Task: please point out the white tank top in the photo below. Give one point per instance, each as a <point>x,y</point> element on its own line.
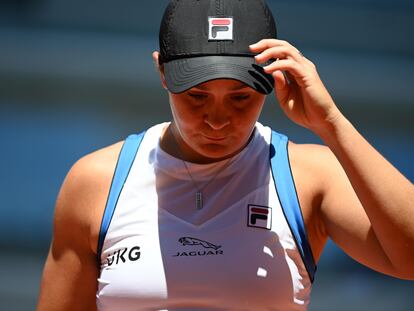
<point>246,249</point>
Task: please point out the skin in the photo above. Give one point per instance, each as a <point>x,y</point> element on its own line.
<point>366,209</point>
<point>212,121</point>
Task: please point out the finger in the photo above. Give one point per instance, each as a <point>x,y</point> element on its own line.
<point>279,52</point>
<point>281,84</point>
<point>282,89</point>
<point>263,44</point>
<point>268,43</point>
<point>294,68</point>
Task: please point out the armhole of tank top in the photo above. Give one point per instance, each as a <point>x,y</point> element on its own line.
<point>123,166</point>
<point>287,194</point>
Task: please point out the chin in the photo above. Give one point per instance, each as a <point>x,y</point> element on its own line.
<point>216,152</point>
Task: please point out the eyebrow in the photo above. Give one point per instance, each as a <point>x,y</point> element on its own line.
<point>237,88</point>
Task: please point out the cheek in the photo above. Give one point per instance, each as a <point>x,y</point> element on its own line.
<point>249,116</point>
<point>186,118</point>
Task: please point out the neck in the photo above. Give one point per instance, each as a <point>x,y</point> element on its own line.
<point>173,144</point>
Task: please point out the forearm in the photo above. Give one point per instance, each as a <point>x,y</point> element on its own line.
<point>386,195</point>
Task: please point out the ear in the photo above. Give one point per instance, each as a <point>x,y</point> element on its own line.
<point>160,68</point>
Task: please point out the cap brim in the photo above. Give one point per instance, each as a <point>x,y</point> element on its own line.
<point>185,73</point>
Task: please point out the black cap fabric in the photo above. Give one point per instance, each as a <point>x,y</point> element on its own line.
<point>202,40</point>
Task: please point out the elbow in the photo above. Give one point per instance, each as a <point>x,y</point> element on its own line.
<point>405,275</point>
<point>404,269</point>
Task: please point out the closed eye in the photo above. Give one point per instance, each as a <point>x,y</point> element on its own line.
<point>241,97</point>
<point>240,101</point>
<point>197,95</point>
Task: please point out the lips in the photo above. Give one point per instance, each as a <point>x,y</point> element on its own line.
<point>215,138</point>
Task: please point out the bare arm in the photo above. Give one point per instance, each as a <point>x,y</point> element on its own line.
<point>70,274</point>
<point>385,194</point>
<point>367,205</point>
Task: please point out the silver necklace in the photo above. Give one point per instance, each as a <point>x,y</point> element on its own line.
<point>199,192</point>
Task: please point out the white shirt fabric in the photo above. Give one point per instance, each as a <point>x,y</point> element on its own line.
<point>161,253</point>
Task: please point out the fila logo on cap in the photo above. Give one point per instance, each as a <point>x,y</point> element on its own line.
<point>220,28</point>
<point>259,216</point>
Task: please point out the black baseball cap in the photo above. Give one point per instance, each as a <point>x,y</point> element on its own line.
<point>203,40</point>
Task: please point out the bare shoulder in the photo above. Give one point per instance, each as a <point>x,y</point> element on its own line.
<point>309,153</point>
<point>97,164</point>
<point>82,197</point>
<point>70,272</point>
<point>316,164</point>
<point>313,157</point>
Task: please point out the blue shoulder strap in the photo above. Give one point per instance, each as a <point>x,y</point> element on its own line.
<point>286,190</point>
<point>125,160</point>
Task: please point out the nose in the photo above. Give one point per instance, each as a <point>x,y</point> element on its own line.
<point>216,117</point>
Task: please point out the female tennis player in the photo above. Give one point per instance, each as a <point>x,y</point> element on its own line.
<point>213,210</point>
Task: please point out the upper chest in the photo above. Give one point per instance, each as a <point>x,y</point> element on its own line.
<point>155,257</point>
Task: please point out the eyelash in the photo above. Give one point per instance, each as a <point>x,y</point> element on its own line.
<point>197,96</point>
<point>241,97</point>
<point>238,99</point>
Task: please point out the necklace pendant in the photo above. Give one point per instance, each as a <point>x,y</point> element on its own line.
<point>199,200</point>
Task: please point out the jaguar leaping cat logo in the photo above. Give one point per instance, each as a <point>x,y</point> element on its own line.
<point>193,241</point>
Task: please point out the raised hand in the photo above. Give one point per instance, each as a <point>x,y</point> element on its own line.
<point>298,87</point>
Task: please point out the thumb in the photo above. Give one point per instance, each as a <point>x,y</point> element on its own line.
<point>281,86</point>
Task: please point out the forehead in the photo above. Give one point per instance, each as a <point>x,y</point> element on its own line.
<point>225,84</point>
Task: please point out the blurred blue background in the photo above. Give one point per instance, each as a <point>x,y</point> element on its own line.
<point>76,76</point>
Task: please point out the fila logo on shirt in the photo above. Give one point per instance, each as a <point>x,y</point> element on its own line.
<point>259,216</point>
<point>220,28</point>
